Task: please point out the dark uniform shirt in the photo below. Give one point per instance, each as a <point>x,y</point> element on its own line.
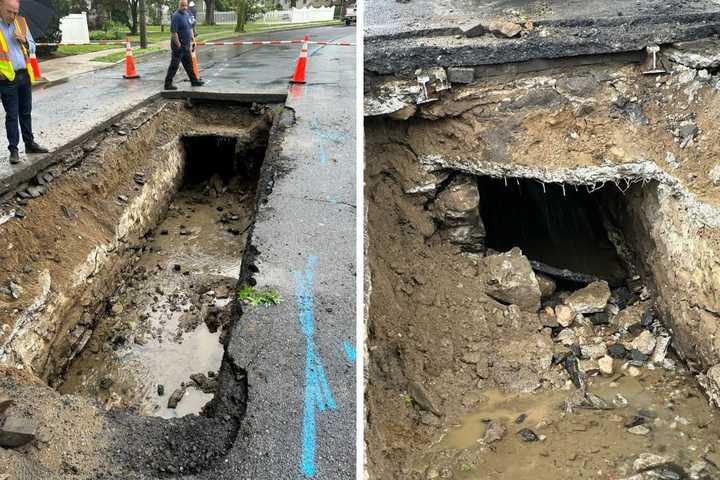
<point>181,23</point>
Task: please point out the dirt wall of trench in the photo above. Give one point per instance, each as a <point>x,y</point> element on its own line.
<point>593,127</point>
<point>67,253</point>
<point>679,241</point>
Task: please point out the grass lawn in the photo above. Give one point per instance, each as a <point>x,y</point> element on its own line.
<point>117,56</point>
<point>155,35</point>
<point>210,32</point>
<point>78,49</point>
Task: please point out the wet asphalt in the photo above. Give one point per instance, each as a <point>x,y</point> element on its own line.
<point>383,18</point>
<point>299,355</point>
<point>402,36</point>
<point>65,112</point>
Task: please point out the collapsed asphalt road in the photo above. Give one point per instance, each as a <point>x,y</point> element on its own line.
<point>65,112</point>
<point>403,36</point>
<point>296,359</point>
<point>300,419</point>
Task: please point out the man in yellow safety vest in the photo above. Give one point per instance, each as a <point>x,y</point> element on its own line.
<point>16,78</point>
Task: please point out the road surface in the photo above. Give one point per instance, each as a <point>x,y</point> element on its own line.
<point>65,112</point>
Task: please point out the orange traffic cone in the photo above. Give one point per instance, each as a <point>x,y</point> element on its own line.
<point>130,71</point>
<point>299,75</point>
<point>35,65</point>
<point>195,65</point>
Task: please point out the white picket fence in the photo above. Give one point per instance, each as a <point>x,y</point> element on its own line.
<point>294,15</point>
<point>311,14</point>
<point>221,18</point>
<point>274,16</point>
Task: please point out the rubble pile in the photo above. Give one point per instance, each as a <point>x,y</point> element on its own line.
<point>596,330</point>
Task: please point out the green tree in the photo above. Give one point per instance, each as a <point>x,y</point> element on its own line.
<point>225,5</point>
<point>241,8</point>
<point>209,12</point>
<point>123,11</point>
<point>53,34</point>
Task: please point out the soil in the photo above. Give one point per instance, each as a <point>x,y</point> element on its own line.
<point>574,117</point>
<point>446,360</point>
<point>174,310</point>
<point>78,248</point>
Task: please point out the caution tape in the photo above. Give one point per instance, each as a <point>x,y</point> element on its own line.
<point>217,44</point>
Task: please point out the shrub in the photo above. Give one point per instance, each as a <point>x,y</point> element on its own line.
<point>53,34</point>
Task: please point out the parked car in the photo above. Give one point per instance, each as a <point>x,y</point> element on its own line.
<point>349,14</point>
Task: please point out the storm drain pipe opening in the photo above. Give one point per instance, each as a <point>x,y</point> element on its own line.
<point>578,229</point>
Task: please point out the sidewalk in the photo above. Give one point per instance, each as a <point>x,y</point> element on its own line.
<point>60,69</point>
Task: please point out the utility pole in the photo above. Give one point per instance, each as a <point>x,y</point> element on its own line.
<point>143,26</point>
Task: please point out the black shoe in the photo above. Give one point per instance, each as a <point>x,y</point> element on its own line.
<point>170,86</point>
<point>33,147</point>
<point>197,83</point>
<point>14,157</point>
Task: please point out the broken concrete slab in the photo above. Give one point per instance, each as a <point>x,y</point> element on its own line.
<point>461,75</point>
<point>400,38</point>
<point>591,299</point>
<point>473,29</point>
<point>510,279</point>
<point>564,315</point>
<point>470,237</point>
<point>696,54</point>
<point>16,432</point>
<point>459,203</point>
<point>504,28</point>
<point>644,343</point>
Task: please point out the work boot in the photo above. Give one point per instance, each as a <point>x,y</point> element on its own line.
<point>34,147</point>
<point>170,86</point>
<point>14,157</point>
<point>197,83</point>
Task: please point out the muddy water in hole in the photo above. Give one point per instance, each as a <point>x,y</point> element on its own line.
<point>156,334</point>
<point>586,443</point>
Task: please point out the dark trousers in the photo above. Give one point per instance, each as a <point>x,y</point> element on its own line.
<point>181,54</point>
<point>17,102</point>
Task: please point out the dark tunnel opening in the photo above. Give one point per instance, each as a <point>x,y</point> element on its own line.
<point>561,226</point>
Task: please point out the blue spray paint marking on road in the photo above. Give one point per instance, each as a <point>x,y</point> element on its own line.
<point>349,351</point>
<point>321,136</point>
<point>317,388</point>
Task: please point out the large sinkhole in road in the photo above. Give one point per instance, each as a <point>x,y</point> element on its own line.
<point>516,328</point>
<point>157,345</point>
<point>563,226</point>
